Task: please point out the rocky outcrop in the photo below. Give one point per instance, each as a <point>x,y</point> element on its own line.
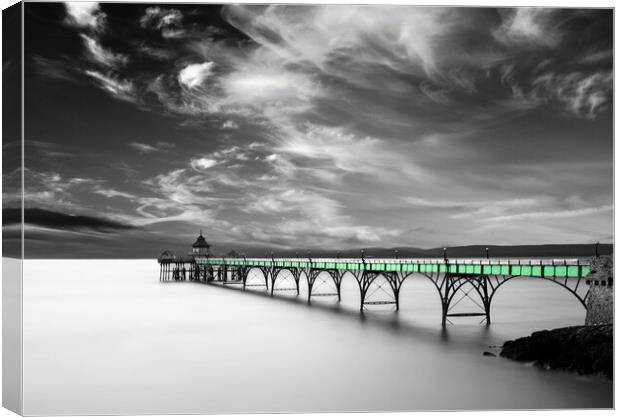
<point>586,350</point>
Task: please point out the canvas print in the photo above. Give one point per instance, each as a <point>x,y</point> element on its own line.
<point>244,208</point>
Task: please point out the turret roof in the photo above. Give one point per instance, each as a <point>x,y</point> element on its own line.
<point>201,242</point>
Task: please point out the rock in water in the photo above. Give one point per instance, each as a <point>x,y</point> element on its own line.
<point>587,350</point>
<point>488,354</point>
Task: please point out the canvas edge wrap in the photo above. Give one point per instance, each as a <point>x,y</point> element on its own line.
<point>12,240</point>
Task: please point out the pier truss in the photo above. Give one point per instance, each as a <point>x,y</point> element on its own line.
<point>380,280</point>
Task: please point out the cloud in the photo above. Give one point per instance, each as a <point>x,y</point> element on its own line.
<point>103,56</point>
<point>531,26</point>
<point>596,56</point>
<point>146,148</point>
<point>201,164</point>
<point>143,147</point>
<point>62,221</point>
<point>120,89</point>
<point>160,18</point>
<point>584,95</point>
<point>85,15</point>
<point>48,149</point>
<point>477,209</point>
<point>181,195</point>
<point>168,21</point>
<point>313,215</point>
<point>437,204</point>
<point>229,124</point>
<point>50,189</point>
<point>279,89</point>
<point>335,149</point>
<point>59,69</point>
<point>547,215</point>
<point>194,75</point>
<point>160,54</point>
<point>110,193</point>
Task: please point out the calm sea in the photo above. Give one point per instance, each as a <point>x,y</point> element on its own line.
<point>105,336</point>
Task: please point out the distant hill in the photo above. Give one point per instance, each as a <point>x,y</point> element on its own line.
<point>472,251</point>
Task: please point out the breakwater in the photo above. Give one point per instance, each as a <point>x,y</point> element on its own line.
<point>586,350</point>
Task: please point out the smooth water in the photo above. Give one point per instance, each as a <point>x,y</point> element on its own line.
<point>105,336</point>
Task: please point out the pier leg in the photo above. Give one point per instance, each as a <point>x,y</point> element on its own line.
<point>309,290</point>
<point>362,279</point>
<point>273,282</point>
<point>487,300</point>
<point>396,298</point>
<point>445,301</point>
<point>362,297</point>
<point>444,314</point>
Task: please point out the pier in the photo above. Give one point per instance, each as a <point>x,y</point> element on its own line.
<point>454,279</point>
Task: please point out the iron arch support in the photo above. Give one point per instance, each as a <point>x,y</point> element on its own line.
<point>276,272</point>
<point>246,275</point>
<point>369,277</point>
<point>561,284</point>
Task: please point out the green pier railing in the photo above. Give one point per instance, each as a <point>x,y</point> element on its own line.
<point>529,268</point>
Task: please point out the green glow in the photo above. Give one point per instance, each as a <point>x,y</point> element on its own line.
<point>546,271</point>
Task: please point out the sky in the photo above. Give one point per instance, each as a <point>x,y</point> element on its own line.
<point>312,127</point>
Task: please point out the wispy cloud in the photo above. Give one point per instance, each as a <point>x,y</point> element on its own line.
<point>530,26</point>
<point>120,89</point>
<point>159,18</point>
<point>85,15</point>
<point>158,53</point>
<point>146,148</point>
<point>103,56</point>
<point>546,215</point>
<point>335,149</point>
<point>596,56</point>
<point>111,193</point>
<point>584,95</point>
<point>60,69</point>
